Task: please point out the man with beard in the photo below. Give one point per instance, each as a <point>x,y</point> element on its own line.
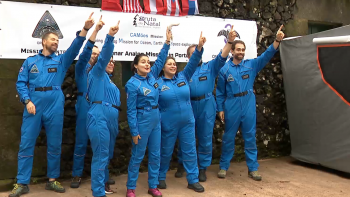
<point>39,87</point>
<point>236,103</point>
<point>87,59</point>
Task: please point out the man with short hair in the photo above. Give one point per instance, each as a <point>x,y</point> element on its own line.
<point>236,103</point>
<point>39,87</point>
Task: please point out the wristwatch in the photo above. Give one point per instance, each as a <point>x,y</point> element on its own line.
<point>26,101</point>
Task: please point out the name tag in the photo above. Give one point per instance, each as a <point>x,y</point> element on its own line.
<point>203,78</point>
<point>181,84</point>
<point>155,85</point>
<point>245,76</point>
<point>52,70</point>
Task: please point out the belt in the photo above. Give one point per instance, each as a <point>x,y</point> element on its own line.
<point>153,107</point>
<point>201,97</point>
<point>241,94</point>
<point>100,102</point>
<point>43,89</point>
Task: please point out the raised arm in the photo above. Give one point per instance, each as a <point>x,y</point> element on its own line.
<point>85,56</point>
<point>159,63</point>
<point>106,53</point>
<point>195,58</point>
<point>265,57</point>
<point>220,60</point>
<point>73,50</point>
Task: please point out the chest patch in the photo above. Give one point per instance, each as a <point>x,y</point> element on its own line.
<point>203,78</point>
<point>181,84</point>
<point>146,91</point>
<point>156,85</point>
<point>191,80</point>
<point>52,70</point>
<point>34,69</point>
<point>164,88</point>
<point>245,76</point>
<point>230,78</point>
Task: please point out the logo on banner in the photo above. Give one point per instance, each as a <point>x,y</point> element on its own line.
<point>226,31</point>
<point>146,22</point>
<point>34,69</point>
<point>46,24</point>
<point>146,91</point>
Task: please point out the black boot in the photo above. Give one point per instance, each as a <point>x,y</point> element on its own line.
<point>202,176</point>
<point>75,182</point>
<point>111,182</point>
<point>180,171</point>
<point>197,187</point>
<point>162,184</point>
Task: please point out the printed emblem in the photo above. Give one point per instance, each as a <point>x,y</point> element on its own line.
<point>46,24</point>
<point>34,69</point>
<point>245,76</point>
<point>203,78</point>
<point>230,78</point>
<point>21,69</point>
<point>146,91</point>
<point>155,85</point>
<point>181,84</point>
<point>164,88</point>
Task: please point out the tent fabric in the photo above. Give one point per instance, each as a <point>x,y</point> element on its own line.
<point>318,116</point>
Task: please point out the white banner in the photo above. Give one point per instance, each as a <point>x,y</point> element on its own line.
<point>138,32</point>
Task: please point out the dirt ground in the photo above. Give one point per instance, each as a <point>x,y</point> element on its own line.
<point>281,177</point>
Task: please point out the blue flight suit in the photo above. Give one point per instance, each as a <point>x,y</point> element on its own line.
<point>40,79</point>
<point>144,120</point>
<point>102,118</point>
<point>178,120</point>
<point>235,96</point>
<point>81,108</point>
<point>204,108</point>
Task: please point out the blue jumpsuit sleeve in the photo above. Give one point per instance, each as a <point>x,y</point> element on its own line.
<point>106,53</point>
<point>72,52</point>
<point>264,58</point>
<point>84,58</point>
<point>131,92</point>
<point>22,81</point>
<point>221,91</point>
<point>159,63</point>
<point>193,63</point>
<point>216,64</point>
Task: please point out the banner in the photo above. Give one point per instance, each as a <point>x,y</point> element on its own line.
<point>138,32</point>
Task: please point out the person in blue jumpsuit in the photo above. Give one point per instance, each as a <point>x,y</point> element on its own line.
<point>144,118</point>
<point>177,120</point>
<point>102,117</point>
<point>237,106</point>
<point>86,60</point>
<point>39,87</point>
<point>204,108</point>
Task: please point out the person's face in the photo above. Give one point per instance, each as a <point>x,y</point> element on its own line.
<point>94,56</point>
<point>143,66</point>
<point>170,68</point>
<point>51,43</point>
<point>239,51</point>
<point>191,52</point>
<point>110,66</point>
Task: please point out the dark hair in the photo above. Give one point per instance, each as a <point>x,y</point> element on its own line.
<point>91,66</point>
<point>188,49</point>
<point>166,60</point>
<point>46,35</point>
<point>237,42</point>
<point>97,47</point>
<point>136,61</point>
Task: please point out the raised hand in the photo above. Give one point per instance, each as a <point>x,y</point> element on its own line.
<point>169,34</point>
<point>232,35</point>
<point>114,29</point>
<point>99,25</point>
<point>280,34</point>
<point>201,42</point>
<point>89,22</point>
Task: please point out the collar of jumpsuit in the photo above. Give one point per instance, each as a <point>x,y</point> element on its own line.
<point>232,64</point>
<point>52,54</point>
<point>140,77</point>
<point>164,78</point>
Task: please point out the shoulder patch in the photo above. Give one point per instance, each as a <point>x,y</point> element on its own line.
<point>34,69</point>
<point>146,91</point>
<point>20,70</point>
<point>164,88</point>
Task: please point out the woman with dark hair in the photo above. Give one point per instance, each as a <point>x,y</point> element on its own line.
<point>144,118</point>
<point>102,117</point>
<point>177,117</point>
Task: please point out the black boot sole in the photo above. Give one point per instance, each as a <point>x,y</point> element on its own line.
<point>75,186</point>
<point>196,190</point>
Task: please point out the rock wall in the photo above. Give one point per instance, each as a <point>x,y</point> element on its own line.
<point>272,127</point>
